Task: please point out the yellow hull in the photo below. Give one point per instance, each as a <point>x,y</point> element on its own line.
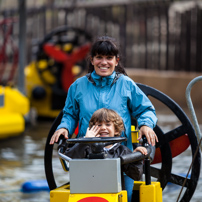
<point>63,194</point>
<point>146,193</point>
<point>13,107</point>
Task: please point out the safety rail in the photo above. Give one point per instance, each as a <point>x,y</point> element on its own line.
<point>191,107</point>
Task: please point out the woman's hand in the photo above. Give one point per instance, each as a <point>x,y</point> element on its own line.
<point>143,150</point>
<point>149,133</point>
<point>93,132</point>
<point>57,133</point>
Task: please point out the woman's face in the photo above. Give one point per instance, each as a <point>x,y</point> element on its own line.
<point>104,65</point>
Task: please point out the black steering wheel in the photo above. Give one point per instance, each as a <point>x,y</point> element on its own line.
<point>163,174</point>
<point>99,143</point>
<point>96,140</point>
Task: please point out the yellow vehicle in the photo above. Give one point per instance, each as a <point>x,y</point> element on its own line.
<point>60,59</point>
<point>14,106</point>
<point>104,184</point>
<point>171,144</point>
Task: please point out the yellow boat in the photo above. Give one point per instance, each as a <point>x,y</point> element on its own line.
<point>14,106</point>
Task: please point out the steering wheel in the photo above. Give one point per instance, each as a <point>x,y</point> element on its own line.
<point>171,144</point>
<point>100,142</point>
<point>96,140</point>
<point>166,146</point>
<point>61,56</point>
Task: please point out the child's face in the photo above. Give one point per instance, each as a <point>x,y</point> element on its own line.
<point>104,65</point>
<point>106,129</point>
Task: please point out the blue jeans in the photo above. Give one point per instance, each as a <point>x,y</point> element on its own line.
<point>129,187</point>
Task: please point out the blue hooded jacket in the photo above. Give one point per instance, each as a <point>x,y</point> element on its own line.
<point>117,92</point>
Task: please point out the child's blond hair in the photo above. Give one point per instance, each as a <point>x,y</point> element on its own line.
<point>107,115</point>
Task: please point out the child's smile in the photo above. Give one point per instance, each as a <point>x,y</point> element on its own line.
<point>106,129</point>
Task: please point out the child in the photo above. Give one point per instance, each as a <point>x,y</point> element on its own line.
<point>107,123</point>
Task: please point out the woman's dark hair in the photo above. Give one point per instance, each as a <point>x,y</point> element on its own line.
<point>105,45</point>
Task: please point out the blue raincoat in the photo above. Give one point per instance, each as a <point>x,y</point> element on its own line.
<point>117,91</point>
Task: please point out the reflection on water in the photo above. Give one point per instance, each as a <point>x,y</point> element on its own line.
<point>21,160</point>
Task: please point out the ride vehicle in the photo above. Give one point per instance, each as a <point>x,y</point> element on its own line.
<point>14,109</point>
<point>60,58</point>
<point>103,175</point>
<point>171,143</point>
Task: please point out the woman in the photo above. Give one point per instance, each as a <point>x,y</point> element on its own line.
<point>107,85</point>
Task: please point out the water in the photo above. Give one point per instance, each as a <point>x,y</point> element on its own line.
<point>21,160</point>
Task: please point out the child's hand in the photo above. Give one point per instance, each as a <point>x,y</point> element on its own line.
<point>93,132</point>
<point>143,150</point>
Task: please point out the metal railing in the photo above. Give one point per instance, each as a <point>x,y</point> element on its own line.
<point>157,35</point>
<point>191,107</point>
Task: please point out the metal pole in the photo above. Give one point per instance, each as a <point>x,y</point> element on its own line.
<point>191,108</point>
<point>22,42</point>
<point>146,163</point>
<point>147,171</point>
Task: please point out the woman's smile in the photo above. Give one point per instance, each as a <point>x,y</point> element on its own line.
<point>104,65</point>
